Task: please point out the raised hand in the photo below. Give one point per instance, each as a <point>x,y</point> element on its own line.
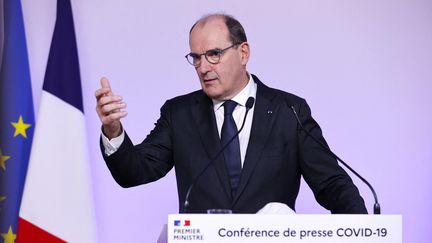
<point>109,108</point>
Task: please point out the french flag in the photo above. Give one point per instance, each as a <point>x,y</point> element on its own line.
<point>57,203</point>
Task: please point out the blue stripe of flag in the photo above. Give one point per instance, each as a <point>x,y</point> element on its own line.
<point>62,77</point>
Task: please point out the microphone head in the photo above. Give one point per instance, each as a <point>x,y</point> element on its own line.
<point>250,102</point>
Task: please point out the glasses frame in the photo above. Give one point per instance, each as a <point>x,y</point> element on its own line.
<point>216,51</point>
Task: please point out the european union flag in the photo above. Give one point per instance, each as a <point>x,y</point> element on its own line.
<point>16,116</point>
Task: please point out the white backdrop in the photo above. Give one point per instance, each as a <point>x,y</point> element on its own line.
<point>364,66</point>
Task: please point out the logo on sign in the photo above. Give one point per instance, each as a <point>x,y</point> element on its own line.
<point>182,223</point>
<point>183,231</point>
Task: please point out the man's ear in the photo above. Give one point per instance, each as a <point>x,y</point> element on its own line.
<point>244,52</point>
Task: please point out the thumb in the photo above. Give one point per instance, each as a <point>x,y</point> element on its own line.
<point>106,85</point>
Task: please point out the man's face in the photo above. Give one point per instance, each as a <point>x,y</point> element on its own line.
<point>223,80</point>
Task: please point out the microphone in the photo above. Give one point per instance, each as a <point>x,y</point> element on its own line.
<point>377,207</point>
<point>249,104</point>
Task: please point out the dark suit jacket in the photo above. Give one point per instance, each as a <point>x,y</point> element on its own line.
<point>279,153</point>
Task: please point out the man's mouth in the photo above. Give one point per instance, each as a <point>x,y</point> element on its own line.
<point>209,77</point>
<point>209,80</point>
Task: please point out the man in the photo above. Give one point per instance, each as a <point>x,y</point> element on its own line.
<point>264,164</point>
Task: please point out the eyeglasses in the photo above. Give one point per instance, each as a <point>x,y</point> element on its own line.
<point>212,56</point>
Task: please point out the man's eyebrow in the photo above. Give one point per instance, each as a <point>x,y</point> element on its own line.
<point>213,49</point>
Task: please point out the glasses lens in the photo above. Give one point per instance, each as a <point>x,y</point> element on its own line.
<point>193,59</point>
<point>213,56</point>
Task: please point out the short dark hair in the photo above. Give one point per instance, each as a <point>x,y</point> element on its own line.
<point>237,34</point>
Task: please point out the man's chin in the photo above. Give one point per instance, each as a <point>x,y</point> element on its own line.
<point>212,93</point>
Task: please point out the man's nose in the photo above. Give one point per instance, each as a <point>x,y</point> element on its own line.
<point>205,66</point>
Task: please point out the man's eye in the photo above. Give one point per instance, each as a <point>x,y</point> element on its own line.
<point>213,53</point>
<point>194,56</point>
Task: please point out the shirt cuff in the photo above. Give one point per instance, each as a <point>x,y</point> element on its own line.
<point>111,146</point>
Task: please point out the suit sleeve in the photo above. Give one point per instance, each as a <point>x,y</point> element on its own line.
<point>133,165</point>
<point>331,185</point>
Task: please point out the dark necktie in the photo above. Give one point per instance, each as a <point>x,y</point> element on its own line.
<point>232,152</point>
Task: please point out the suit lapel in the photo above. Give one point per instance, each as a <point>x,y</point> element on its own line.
<point>262,122</point>
<point>203,114</point>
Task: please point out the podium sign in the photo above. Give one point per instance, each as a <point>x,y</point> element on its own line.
<point>251,228</point>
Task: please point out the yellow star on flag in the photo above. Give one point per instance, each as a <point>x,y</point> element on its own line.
<point>9,237</point>
<point>3,159</point>
<point>20,127</point>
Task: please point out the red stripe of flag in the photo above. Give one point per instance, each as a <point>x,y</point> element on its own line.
<point>28,232</point>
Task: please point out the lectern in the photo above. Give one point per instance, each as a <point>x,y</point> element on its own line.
<point>257,228</point>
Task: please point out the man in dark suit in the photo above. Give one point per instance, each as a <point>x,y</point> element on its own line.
<point>264,164</point>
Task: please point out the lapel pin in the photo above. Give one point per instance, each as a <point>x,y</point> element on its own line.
<point>269,112</point>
